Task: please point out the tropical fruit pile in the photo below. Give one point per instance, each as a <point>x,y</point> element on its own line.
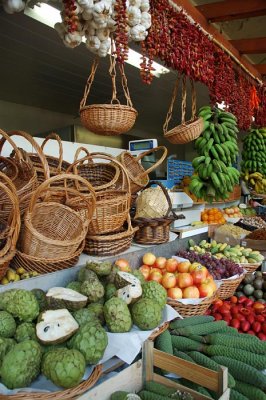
<point>213,216</point>
<point>59,332</point>
<point>212,344</point>
<point>254,160</point>
<point>232,212</point>
<point>217,149</point>
<point>17,275</point>
<point>253,286</point>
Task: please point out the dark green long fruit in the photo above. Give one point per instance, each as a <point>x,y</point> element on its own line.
<point>202,329</point>
<point>250,391</point>
<point>255,346</point>
<point>158,388</point>
<point>207,362</point>
<point>198,319</point>
<point>185,344</point>
<point>120,395</point>
<point>183,355</point>
<point>257,361</point>
<point>146,395</point>
<point>194,386</point>
<point>243,372</point>
<point>164,343</point>
<point>234,395</point>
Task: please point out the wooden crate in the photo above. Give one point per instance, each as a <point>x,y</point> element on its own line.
<point>132,378</point>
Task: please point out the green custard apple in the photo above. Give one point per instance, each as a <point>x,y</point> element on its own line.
<point>7,325</point>
<point>22,304</point>
<point>154,291</point>
<point>25,331</point>
<point>117,315</point>
<point>146,314</point>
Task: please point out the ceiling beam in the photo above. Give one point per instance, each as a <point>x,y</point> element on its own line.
<point>250,46</point>
<point>228,10</point>
<point>202,21</point>
<point>261,68</point>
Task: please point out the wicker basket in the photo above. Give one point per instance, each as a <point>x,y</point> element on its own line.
<point>251,267</point>
<point>11,223</point>
<point>108,119</point>
<point>56,164</point>
<point>139,177</point>
<point>155,230</point>
<point>26,179</point>
<point>190,310</point>
<point>44,266</point>
<point>158,331</point>
<point>187,131</point>
<point>67,394</point>
<point>9,168</point>
<point>228,287</point>
<point>51,229</point>
<point>110,244</point>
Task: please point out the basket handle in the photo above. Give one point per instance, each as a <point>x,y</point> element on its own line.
<point>165,193</point>
<point>10,161</point>
<point>56,137</point>
<point>46,185</point>
<point>78,151</point>
<point>6,137</point>
<point>37,148</point>
<point>159,162</point>
<point>170,111</point>
<point>89,83</point>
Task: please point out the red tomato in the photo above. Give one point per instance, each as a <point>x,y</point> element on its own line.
<point>224,310</point>
<point>240,317</point>
<point>227,319</point>
<point>245,326</point>
<point>218,302</point>
<point>261,336</point>
<point>251,332</point>
<point>249,303</point>
<point>264,327</point>
<point>245,311</point>
<point>217,316</point>
<point>235,323</point>
<point>260,318</point>
<point>242,299</point>
<point>234,299</point>
<point>256,326</point>
<point>235,309</point>
<point>251,318</point>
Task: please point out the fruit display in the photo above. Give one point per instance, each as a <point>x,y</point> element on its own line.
<point>254,160</point>
<point>238,254</point>
<point>232,212</point>
<point>219,268</point>
<point>232,230</point>
<point>213,216</point>
<point>258,234</point>
<point>184,185</point>
<point>248,211</point>
<point>61,331</point>
<point>243,314</point>
<point>217,148</point>
<point>253,286</point>
<point>178,280</point>
<point>211,344</point>
<point>17,275</point>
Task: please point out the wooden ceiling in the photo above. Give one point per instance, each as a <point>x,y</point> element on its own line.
<point>239,25</point>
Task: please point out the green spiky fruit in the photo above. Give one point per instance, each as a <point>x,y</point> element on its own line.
<point>146,314</point>
<point>154,291</point>
<point>86,274</point>
<point>97,310</point>
<point>117,315</point>
<point>41,298</point>
<point>64,367</point>
<point>84,315</point>
<point>7,325</point>
<point>139,275</point>
<point>25,331</point>
<point>110,291</point>
<point>93,289</point>
<point>22,304</point>
<point>100,268</point>
<point>74,285</point>
<point>6,344</point>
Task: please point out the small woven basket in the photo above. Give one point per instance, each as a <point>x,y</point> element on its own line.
<point>139,177</point>
<point>56,164</point>
<point>155,230</point>
<point>187,131</point>
<point>251,267</point>
<point>158,331</point>
<point>67,394</point>
<point>228,287</point>
<point>108,119</point>
<point>110,244</point>
<point>53,230</point>
<point>190,310</point>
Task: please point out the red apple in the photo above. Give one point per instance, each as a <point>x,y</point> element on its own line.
<point>123,265</point>
<point>184,279</point>
<point>191,292</point>
<point>198,276</point>
<point>149,259</point>
<point>183,266</point>
<point>145,270</point>
<point>194,266</point>
<point>175,293</point>
<point>205,289</point>
<point>171,265</point>
<point>154,269</point>
<point>160,262</point>
<point>169,280</point>
<point>155,276</point>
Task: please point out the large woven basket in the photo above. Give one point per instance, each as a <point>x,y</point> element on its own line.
<point>228,287</point>
<point>112,243</point>
<point>188,130</point>
<point>251,267</point>
<point>53,230</point>
<point>108,119</point>
<point>26,179</point>
<point>139,177</point>
<point>8,167</point>
<point>66,394</point>
<point>155,230</point>
<point>11,223</point>
<point>190,310</point>
<point>112,206</point>
<point>56,164</point>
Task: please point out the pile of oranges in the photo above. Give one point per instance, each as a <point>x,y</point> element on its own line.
<point>213,216</point>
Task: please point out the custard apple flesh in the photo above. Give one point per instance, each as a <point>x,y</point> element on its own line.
<point>123,279</point>
<point>117,315</point>
<point>64,367</point>
<point>59,297</point>
<point>154,291</point>
<point>146,314</point>
<point>7,325</point>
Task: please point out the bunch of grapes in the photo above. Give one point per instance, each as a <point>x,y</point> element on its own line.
<point>219,269</point>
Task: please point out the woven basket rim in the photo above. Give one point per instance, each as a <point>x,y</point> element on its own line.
<point>113,236</point>
<point>208,300</point>
<point>108,107</point>
<point>183,127</point>
<point>50,261</point>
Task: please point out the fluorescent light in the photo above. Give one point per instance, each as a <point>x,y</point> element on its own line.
<point>222,105</point>
<point>49,16</point>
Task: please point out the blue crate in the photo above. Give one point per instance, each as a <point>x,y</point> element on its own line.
<point>176,170</point>
<point>261,210</point>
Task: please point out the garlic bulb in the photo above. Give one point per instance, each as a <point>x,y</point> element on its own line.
<point>138,33</point>
<point>13,6</point>
<point>101,13</point>
<point>60,29</point>
<point>134,15</point>
<point>104,47</point>
<point>86,4</point>
<point>87,14</point>
<point>146,20</point>
<point>72,39</point>
<point>102,34</point>
<point>135,3</point>
<point>93,42</point>
<point>111,24</point>
<point>145,5</point>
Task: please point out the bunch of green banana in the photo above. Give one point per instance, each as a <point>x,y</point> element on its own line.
<point>254,152</point>
<point>217,148</point>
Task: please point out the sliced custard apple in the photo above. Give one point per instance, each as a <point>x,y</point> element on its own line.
<point>60,297</point>
<point>123,279</point>
<point>130,293</point>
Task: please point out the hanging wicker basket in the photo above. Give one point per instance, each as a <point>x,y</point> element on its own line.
<point>187,131</point>
<point>108,119</point>
<point>56,164</point>
<point>139,177</point>
<point>155,230</point>
<point>55,229</point>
